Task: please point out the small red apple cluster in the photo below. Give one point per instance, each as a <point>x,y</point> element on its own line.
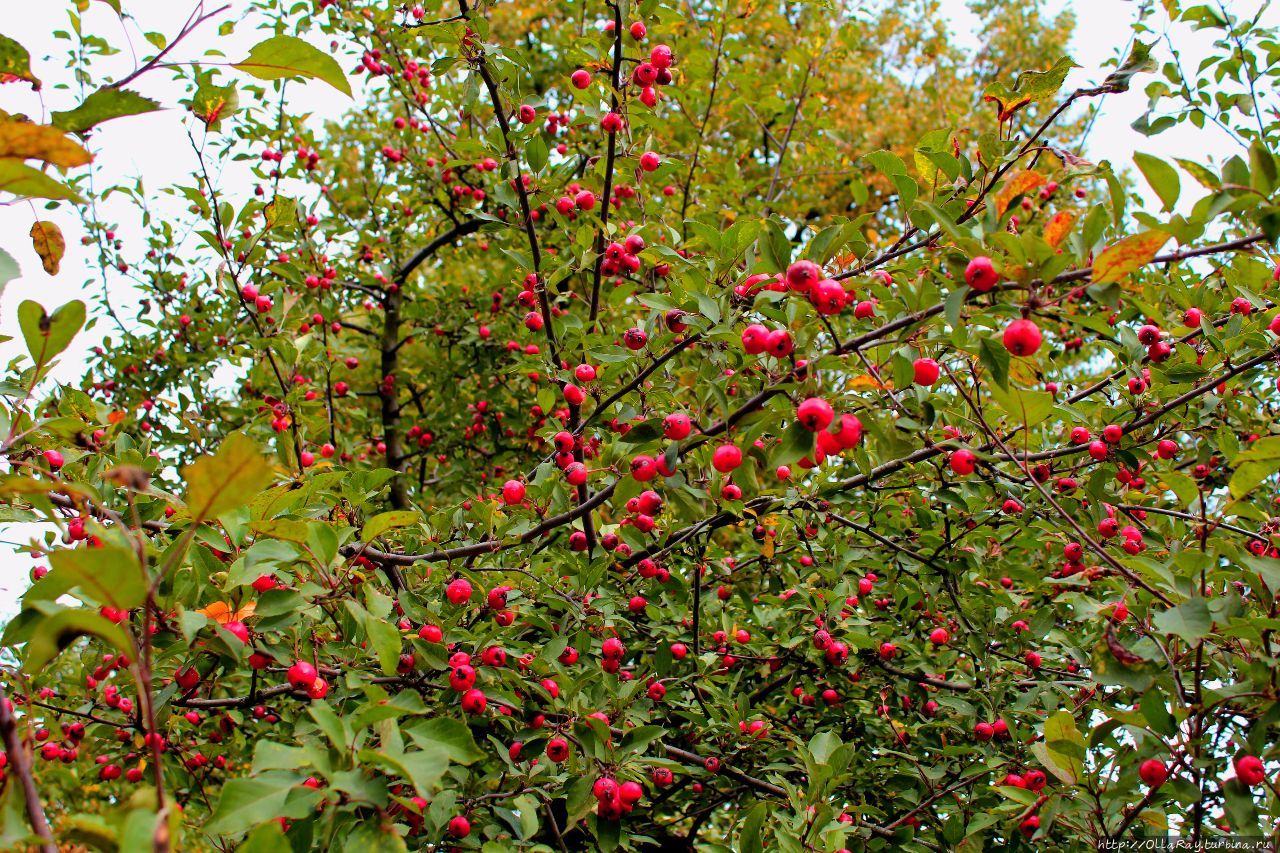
<point>614,799</point>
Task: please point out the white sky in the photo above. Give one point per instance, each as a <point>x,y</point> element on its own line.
<point>156,146</point>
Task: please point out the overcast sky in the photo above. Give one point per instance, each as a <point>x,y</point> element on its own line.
<point>156,147</point>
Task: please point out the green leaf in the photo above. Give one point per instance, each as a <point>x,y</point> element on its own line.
<point>774,246</point>
<point>334,727</point>
<point>1138,61</point>
<point>55,632</point>
<point>369,837</point>
<point>750,838</point>
<point>1242,811</point>
<point>535,153</point>
<point>267,838</point>
<point>109,575</point>
<point>245,803</point>
<point>797,443</point>
<point>1065,747</point>
<point>1262,168</point>
<point>635,740</point>
<point>47,336</point>
<point>285,56</point>
<point>424,768</point>
<point>384,521</point>
<point>383,636</point>
<point>24,182</point>
<point>9,269</point>
<point>1181,485</point>
<point>449,735</point>
<point>1025,407</point>
<point>1162,177</point>
<point>1267,568</point>
<point>226,480</point>
<point>1259,461</point>
<point>1248,475</point>
<point>886,163</point>
<point>995,358</point>
<point>1190,620</point>
<point>822,745</point>
<point>103,105</point>
<point>1157,714</point>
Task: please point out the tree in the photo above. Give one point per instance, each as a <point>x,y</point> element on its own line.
<point>651,426</point>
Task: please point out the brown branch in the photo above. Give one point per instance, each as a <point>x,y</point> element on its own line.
<point>18,757</point>
<point>606,202</point>
<point>918,678</point>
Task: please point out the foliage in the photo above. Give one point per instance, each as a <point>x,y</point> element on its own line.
<point>798,447</point>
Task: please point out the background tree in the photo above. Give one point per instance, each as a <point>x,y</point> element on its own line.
<point>651,425</point>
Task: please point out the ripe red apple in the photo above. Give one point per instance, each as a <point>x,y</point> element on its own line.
<point>513,492</point>
<point>962,461</point>
<point>815,414</point>
<point>301,675</point>
<point>1022,337</point>
<point>926,371</point>
<point>1153,772</point>
<point>980,274</point>
<point>726,458</point>
<point>458,591</point>
<point>558,749</point>
<point>459,826</point>
<point>1249,770</point>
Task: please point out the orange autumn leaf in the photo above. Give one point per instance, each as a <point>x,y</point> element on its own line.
<point>1057,229</point>
<point>1019,184</point>
<point>222,613</point>
<point>1127,256</point>
<point>866,382</point>
<point>115,418</point>
<point>24,140</point>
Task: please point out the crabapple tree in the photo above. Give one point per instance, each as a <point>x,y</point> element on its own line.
<point>642,424</point>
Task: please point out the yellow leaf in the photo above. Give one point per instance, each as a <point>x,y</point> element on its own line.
<point>866,382</point>
<point>49,245</point>
<point>1020,184</point>
<point>226,480</point>
<point>766,548</point>
<point>26,141</point>
<point>1057,228</point>
<point>1023,370</point>
<point>1127,256</point>
<point>222,613</point>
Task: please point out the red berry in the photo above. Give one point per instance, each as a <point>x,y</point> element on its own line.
<point>981,274</point>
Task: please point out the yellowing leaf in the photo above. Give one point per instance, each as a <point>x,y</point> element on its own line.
<point>211,104</point>
<point>15,63</point>
<point>1030,86</point>
<point>1058,227</point>
<point>867,382</point>
<point>26,141</point>
<point>49,245</point>
<point>222,613</point>
<point>1020,184</point>
<point>226,480</point>
<point>1127,256</point>
<point>1023,371</point>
